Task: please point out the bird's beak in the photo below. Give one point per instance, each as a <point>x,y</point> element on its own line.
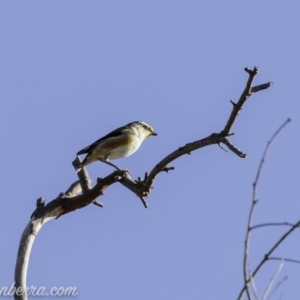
<point>154,133</point>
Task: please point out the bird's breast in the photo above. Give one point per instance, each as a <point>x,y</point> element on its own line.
<point>128,145</point>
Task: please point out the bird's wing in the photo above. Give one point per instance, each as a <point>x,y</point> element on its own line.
<point>114,133</point>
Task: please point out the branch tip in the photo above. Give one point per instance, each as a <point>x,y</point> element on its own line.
<point>219,144</point>
<point>260,87</point>
<point>233,103</point>
<point>97,203</point>
<point>167,169</point>
<point>247,70</point>
<point>144,202</point>
<point>252,72</point>
<point>40,204</point>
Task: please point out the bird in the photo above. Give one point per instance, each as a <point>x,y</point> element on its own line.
<point>121,142</point>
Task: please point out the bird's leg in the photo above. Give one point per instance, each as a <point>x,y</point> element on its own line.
<point>109,163</point>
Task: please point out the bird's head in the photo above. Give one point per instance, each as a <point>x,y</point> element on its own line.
<point>145,130</point>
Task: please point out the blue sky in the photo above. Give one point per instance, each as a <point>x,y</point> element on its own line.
<point>71,71</point>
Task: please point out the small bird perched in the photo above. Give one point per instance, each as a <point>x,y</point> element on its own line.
<point>119,143</point>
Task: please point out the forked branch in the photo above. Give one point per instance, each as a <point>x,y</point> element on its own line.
<point>249,276</point>
<point>71,200</point>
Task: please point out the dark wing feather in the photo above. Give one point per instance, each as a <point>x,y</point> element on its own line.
<point>114,133</point>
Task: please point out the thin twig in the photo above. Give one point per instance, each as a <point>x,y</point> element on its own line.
<point>276,287</point>
<point>254,289</point>
<point>267,256</point>
<point>267,148</point>
<point>273,280</point>
<point>271,224</point>
<point>296,261</point>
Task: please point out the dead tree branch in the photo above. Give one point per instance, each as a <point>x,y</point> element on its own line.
<point>272,224</point>
<point>71,200</point>
<point>273,280</point>
<point>248,276</point>
<point>277,287</point>
<point>296,261</point>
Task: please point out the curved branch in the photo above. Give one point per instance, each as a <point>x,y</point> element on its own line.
<point>25,246</point>
<point>272,281</point>
<point>215,138</point>
<point>187,149</point>
<point>295,261</point>
<point>71,200</point>
<point>64,203</point>
<point>271,224</point>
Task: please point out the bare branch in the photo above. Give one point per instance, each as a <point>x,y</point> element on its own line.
<point>138,187</point>
<point>260,87</point>
<point>222,148</point>
<point>188,148</point>
<point>167,169</point>
<point>71,200</point>
<point>238,106</point>
<point>84,179</point>
<point>296,261</point>
<point>54,209</point>
<point>234,149</point>
<point>97,203</point>
<point>215,138</point>
<point>25,246</point>
<point>267,256</point>
<point>271,224</point>
<point>247,276</point>
<point>254,289</point>
<point>277,286</point>
<point>273,280</point>
<point>267,148</point>
<point>40,204</point>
